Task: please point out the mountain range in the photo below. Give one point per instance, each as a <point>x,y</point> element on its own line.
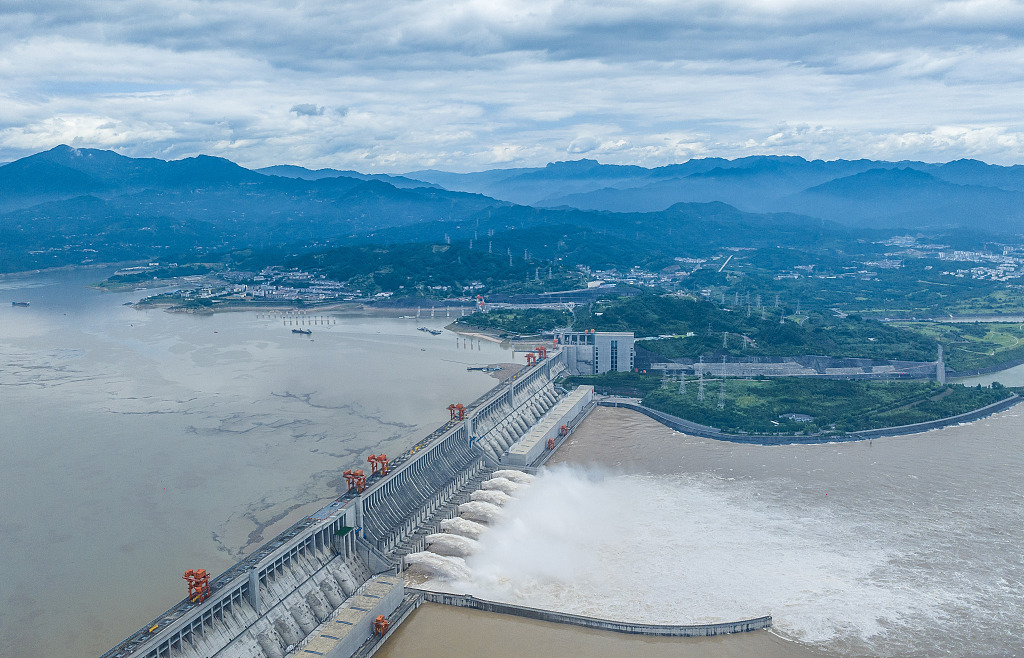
<point>69,206</point>
<point>860,193</point>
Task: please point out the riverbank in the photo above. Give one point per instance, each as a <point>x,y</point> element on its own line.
<point>696,429</point>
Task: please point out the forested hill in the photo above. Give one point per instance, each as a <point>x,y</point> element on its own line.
<point>74,206</point>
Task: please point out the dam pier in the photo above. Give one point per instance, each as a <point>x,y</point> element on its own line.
<point>331,584</point>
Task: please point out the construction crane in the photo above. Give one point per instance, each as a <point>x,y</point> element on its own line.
<point>378,462</point>
<point>457,411</point>
<point>356,480</point>
<point>481,305</point>
<point>198,584</point>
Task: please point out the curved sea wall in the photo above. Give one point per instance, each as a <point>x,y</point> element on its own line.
<point>708,432</point>
<point>694,630</point>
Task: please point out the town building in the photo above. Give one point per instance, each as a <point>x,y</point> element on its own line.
<point>595,352</point>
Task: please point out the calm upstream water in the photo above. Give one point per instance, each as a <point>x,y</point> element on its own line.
<point>137,444</point>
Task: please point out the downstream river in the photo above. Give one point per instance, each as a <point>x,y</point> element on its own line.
<point>138,444</point>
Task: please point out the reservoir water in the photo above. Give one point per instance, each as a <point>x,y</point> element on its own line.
<point>137,444</point>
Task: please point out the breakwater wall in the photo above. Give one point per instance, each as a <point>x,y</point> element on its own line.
<point>708,432</point>
<point>694,630</point>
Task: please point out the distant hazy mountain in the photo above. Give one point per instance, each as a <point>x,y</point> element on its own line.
<point>294,171</point>
<point>908,198</point>
<point>961,193</point>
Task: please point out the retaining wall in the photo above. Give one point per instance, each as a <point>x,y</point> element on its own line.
<point>696,429</point>
<point>696,630</point>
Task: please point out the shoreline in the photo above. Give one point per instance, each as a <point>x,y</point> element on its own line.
<point>705,431</point>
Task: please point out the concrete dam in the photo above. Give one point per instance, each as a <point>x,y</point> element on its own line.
<point>324,585</point>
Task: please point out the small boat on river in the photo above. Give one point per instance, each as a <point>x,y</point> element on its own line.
<point>301,331</point>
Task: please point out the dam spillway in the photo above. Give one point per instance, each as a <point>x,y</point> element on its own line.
<point>290,591</point>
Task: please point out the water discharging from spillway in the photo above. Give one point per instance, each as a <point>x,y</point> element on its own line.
<point>698,548</point>
<point>444,557</point>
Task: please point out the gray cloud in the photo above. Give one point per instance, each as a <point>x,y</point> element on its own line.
<point>467,84</point>
<point>307,110</point>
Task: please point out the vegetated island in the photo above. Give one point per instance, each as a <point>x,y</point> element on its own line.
<point>799,406</point>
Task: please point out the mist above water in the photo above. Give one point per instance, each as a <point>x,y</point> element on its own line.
<point>700,548</point>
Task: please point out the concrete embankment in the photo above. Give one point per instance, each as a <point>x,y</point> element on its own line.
<point>708,432</point>
<point>694,630</point>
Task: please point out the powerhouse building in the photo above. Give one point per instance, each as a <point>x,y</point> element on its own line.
<point>594,352</point>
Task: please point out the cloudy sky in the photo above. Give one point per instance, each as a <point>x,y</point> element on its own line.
<point>400,85</point>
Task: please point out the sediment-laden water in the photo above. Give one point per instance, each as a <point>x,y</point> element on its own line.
<point>138,444</point>
<point>897,546</point>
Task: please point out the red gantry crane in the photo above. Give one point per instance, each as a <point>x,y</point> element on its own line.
<point>379,462</point>
<point>457,411</point>
<point>198,584</point>
<point>356,479</point>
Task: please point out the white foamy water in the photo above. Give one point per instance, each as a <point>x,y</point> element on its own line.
<point>444,567</point>
<point>848,572</point>
<point>464,527</point>
<point>489,496</point>
<point>477,510</point>
<point>519,477</point>
<point>500,484</point>
<point>443,543</point>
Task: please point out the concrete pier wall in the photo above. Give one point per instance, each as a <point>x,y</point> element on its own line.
<point>695,630</point>
<point>533,443</point>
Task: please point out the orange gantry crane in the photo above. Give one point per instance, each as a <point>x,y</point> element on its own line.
<point>356,479</point>
<point>457,411</point>
<point>379,462</point>
<point>531,358</point>
<point>380,626</point>
<point>198,584</point>
<point>542,352</point>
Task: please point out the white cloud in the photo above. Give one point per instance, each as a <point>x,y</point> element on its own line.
<point>465,84</point>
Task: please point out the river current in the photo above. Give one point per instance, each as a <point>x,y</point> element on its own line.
<point>137,444</point>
